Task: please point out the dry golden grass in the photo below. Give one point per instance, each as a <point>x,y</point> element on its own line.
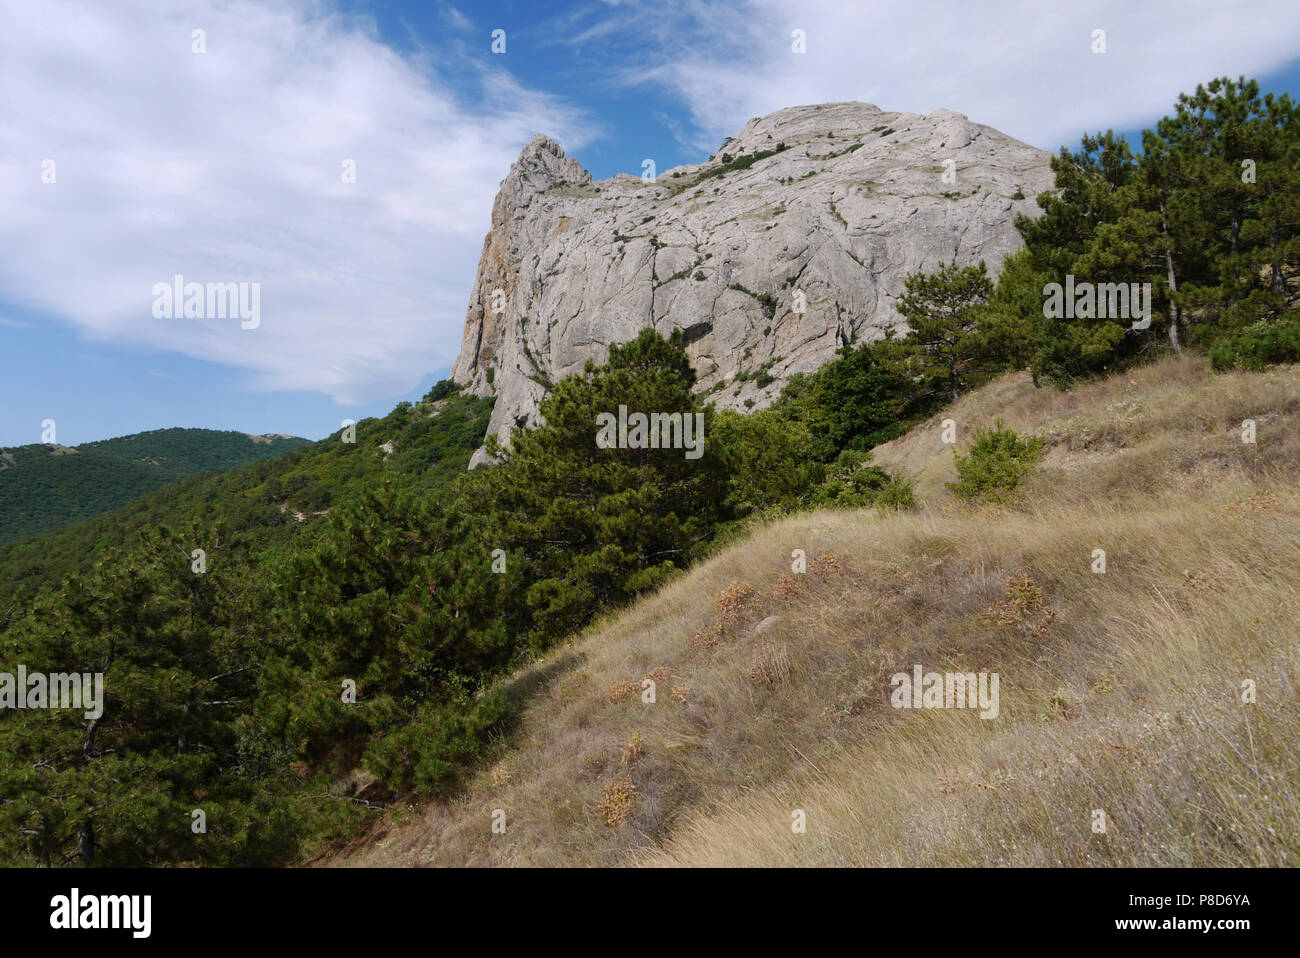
<point>1131,703</point>
<point>771,665</point>
<point>633,750</point>
<point>1119,691</point>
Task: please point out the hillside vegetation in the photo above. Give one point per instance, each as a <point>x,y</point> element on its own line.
<point>1120,691</point>
<point>43,487</point>
<point>179,600</point>
<point>292,677</point>
<point>282,499</point>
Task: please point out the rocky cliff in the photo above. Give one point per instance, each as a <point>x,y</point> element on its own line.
<point>793,239</point>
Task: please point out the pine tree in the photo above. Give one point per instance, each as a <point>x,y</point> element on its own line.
<point>597,525</point>
<point>398,598</point>
<point>174,649</point>
<point>943,354</point>
<point>1093,187</point>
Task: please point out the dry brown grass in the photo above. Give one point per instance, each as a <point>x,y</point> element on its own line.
<point>1130,704</point>
<point>633,750</point>
<point>1119,692</point>
<point>770,665</point>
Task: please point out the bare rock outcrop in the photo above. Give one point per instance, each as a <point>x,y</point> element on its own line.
<point>791,241</point>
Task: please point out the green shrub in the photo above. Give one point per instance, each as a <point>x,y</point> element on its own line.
<point>996,464</point>
<point>431,753</point>
<point>731,163</point>
<point>895,493</point>
<point>442,390</point>
<point>854,485</point>
<point>852,402</point>
<point>769,459</point>
<point>1257,346</point>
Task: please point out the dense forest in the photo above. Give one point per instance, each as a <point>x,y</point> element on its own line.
<point>273,501</point>
<point>305,673</point>
<point>43,487</point>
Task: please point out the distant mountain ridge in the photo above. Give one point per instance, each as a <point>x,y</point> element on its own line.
<point>45,486</point>
<point>272,502</point>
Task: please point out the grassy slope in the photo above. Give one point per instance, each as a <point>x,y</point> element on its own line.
<point>1123,697</point>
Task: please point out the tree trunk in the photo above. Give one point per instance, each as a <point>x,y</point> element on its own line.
<point>88,745</point>
<point>86,843</point>
<point>1174,311</point>
<point>1279,285</point>
<point>1173,307</point>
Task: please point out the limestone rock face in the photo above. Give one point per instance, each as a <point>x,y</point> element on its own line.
<point>768,263</point>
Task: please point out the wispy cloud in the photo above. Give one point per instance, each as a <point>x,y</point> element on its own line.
<point>1025,68</point>
<point>457,19</point>
<point>227,166</point>
<point>693,141</point>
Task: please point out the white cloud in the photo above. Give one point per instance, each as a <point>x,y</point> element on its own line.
<point>1023,67</point>
<point>457,19</point>
<point>226,166</point>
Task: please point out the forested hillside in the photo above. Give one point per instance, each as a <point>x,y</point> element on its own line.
<point>43,487</point>
<point>272,501</point>
<point>292,677</point>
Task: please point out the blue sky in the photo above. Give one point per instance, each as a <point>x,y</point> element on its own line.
<point>224,164</point>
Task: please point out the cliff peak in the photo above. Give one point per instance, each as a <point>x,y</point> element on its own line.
<point>793,239</point>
